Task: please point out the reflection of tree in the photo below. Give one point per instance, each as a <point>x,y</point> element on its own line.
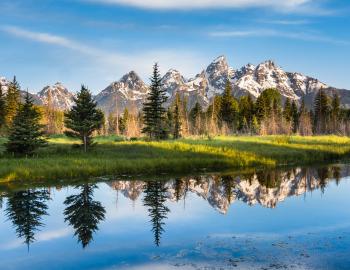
<point>83,213</point>
<point>323,174</point>
<point>155,197</point>
<point>25,209</point>
<point>228,185</point>
<point>269,178</point>
<point>336,174</point>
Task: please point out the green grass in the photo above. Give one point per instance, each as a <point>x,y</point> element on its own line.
<point>113,156</point>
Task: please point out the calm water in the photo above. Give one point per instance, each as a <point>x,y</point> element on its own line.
<point>293,219</point>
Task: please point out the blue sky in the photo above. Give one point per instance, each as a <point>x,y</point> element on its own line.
<point>95,42</point>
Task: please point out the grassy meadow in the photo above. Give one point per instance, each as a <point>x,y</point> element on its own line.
<point>114,157</point>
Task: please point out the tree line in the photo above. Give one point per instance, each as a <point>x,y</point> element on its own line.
<point>26,124</point>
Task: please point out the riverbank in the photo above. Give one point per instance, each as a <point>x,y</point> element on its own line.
<point>111,156</point>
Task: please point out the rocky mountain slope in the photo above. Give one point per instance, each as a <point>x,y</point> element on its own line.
<point>131,91</point>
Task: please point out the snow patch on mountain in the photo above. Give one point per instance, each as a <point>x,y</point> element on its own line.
<point>57,96</point>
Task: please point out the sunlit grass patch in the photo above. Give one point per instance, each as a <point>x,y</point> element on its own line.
<point>116,156</point>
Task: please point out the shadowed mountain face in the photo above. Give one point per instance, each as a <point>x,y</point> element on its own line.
<point>131,91</point>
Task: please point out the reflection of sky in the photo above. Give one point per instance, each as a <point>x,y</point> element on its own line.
<point>192,232</point>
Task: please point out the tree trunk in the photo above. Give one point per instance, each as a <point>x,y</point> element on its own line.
<point>85,143</point>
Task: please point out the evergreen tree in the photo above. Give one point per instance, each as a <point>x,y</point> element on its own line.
<point>123,121</point>
<point>195,117</point>
<point>177,118</point>
<point>26,133</point>
<point>246,113</point>
<point>229,108</point>
<point>321,112</point>
<point>12,101</point>
<point>295,116</point>
<point>335,114</point>
<point>2,110</point>
<point>154,113</point>
<point>83,213</point>
<point>25,209</point>
<point>155,198</point>
<point>287,111</point>
<point>84,118</point>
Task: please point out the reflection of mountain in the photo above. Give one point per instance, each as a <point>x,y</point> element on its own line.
<point>264,188</point>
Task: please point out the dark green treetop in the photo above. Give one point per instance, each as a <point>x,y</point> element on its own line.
<point>84,118</point>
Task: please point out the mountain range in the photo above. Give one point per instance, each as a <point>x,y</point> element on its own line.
<point>131,91</point>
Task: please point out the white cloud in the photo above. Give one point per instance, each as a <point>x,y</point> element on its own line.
<point>279,34</point>
<point>107,65</point>
<point>203,4</point>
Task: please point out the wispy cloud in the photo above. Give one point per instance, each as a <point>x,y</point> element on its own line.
<point>204,4</point>
<point>108,62</point>
<point>287,22</point>
<point>278,34</point>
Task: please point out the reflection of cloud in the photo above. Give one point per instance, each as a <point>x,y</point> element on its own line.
<point>40,237</point>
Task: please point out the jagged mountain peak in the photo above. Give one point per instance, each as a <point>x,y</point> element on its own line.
<point>130,76</point>
<point>4,84</point>
<point>57,95</point>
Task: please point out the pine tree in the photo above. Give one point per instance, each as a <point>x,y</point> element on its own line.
<point>2,110</point>
<point>195,117</point>
<point>177,118</point>
<point>12,101</point>
<point>246,112</point>
<point>123,121</point>
<point>26,133</point>
<point>295,116</point>
<point>335,114</point>
<point>154,113</point>
<point>321,112</point>
<point>229,108</point>
<point>84,118</point>
<point>287,111</point>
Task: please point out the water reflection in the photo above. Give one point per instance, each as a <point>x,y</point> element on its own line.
<point>154,200</point>
<point>25,209</point>
<point>83,213</point>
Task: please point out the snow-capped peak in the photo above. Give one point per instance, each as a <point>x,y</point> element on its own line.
<point>57,95</point>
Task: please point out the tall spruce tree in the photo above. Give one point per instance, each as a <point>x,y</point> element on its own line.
<point>229,108</point>
<point>26,134</point>
<point>177,117</point>
<point>84,118</point>
<point>12,101</point>
<point>321,112</point>
<point>287,110</point>
<point>295,116</point>
<point>335,114</point>
<point>154,113</point>
<point>2,109</point>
